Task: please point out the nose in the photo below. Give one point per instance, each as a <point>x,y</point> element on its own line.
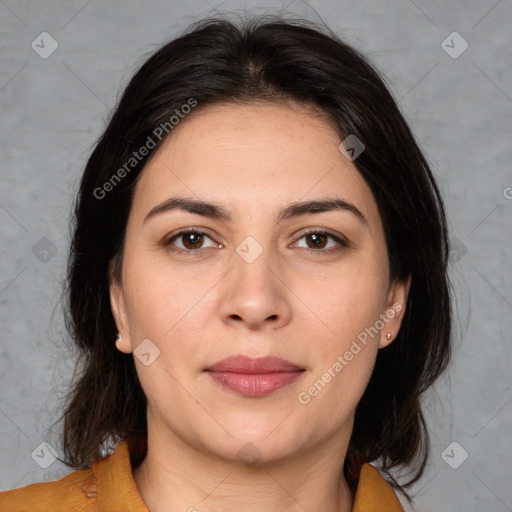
<point>255,294</point>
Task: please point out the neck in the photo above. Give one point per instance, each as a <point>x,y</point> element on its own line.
<point>176,476</point>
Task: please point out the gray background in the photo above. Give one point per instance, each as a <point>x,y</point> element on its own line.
<point>460,109</point>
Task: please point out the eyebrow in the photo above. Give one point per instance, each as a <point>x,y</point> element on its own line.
<point>293,210</point>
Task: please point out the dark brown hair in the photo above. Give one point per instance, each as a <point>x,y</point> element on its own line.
<point>274,59</point>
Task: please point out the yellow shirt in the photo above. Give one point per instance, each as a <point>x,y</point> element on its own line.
<point>109,487</point>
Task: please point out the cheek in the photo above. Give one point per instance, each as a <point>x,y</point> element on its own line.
<point>172,308</point>
<point>344,305</point>
<point>168,309</point>
<point>341,363</point>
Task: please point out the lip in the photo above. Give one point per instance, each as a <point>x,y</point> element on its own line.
<point>254,377</point>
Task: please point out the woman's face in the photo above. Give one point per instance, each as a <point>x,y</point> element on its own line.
<point>258,284</point>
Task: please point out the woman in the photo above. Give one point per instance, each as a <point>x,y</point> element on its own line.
<point>257,285</point>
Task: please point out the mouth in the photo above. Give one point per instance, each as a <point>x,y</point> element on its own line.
<point>254,377</point>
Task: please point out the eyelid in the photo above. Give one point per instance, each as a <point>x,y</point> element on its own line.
<point>175,235</point>
<point>341,240</point>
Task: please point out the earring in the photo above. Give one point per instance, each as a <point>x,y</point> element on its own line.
<point>388,335</point>
<point>119,337</point>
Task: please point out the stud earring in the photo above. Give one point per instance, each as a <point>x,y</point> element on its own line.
<point>119,337</point>
<point>388,335</point>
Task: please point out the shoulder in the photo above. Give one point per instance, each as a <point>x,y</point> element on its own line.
<point>67,493</point>
<point>374,493</point>
<point>108,485</point>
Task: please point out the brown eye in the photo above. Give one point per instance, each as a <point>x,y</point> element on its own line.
<point>317,241</point>
<point>191,241</point>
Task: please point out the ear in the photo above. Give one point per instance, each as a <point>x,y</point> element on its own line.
<point>118,308</point>
<point>394,312</point>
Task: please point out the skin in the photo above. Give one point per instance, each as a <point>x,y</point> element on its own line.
<point>290,302</point>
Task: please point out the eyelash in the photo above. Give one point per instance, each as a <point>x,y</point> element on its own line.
<point>342,243</point>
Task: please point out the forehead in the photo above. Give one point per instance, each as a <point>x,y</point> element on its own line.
<point>253,158</point>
